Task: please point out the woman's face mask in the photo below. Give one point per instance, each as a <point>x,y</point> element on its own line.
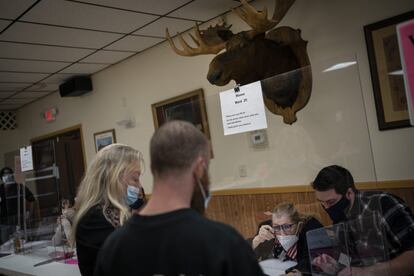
<point>132,194</point>
<point>287,241</point>
<point>134,198</point>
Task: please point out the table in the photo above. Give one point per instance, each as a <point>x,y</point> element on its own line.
<point>275,267</point>
<point>23,264</point>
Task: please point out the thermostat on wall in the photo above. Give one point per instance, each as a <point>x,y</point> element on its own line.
<point>258,138</point>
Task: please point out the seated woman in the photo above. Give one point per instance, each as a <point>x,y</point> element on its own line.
<point>110,186</point>
<point>63,231</point>
<point>285,238</point>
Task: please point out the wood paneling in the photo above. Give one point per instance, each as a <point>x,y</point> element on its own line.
<point>244,208</point>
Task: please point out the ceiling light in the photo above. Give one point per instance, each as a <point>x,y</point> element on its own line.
<point>339,66</point>
<point>396,73</point>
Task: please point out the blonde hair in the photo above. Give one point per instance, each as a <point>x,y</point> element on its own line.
<point>102,183</point>
<point>289,210</point>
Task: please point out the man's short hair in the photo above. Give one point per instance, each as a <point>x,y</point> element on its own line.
<point>334,177</point>
<point>6,170</point>
<point>175,146</point>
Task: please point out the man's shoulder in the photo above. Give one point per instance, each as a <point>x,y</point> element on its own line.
<point>206,228</point>
<point>192,222</point>
<point>375,194</point>
<point>219,227</point>
<point>194,231</point>
<point>387,205</point>
<point>381,198</point>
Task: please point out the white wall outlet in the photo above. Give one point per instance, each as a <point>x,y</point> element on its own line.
<point>242,170</point>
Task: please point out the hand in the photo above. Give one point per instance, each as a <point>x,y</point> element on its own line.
<point>265,234</point>
<point>326,263</point>
<point>356,271</point>
<point>292,274</point>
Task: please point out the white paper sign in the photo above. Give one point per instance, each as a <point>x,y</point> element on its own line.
<point>244,110</point>
<point>26,158</point>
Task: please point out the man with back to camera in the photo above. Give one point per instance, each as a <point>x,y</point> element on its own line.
<point>335,190</point>
<point>168,237</point>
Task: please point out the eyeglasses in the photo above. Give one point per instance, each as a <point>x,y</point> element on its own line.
<point>284,227</point>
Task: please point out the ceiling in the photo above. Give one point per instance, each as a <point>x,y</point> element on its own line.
<point>45,42</point>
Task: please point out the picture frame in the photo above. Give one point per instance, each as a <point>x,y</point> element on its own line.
<point>386,72</point>
<point>190,107</point>
<point>104,138</point>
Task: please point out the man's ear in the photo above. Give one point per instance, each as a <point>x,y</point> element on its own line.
<point>199,167</point>
<point>349,193</point>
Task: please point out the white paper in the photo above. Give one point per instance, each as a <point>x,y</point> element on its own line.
<point>275,267</point>
<point>243,111</point>
<point>26,158</point>
<point>344,259</point>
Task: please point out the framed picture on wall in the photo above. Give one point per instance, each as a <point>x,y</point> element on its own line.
<point>104,138</point>
<point>386,72</point>
<point>188,107</point>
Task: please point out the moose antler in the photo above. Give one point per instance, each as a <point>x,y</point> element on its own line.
<point>258,20</point>
<point>202,46</point>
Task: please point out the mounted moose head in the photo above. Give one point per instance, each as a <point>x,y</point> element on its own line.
<point>277,58</point>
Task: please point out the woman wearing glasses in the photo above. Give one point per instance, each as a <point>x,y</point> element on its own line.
<point>284,238</point>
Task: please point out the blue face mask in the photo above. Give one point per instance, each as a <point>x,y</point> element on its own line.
<point>132,194</point>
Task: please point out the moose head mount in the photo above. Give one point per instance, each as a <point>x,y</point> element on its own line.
<point>277,57</point>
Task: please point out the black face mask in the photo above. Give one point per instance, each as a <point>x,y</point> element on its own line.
<point>137,204</point>
<point>337,211</point>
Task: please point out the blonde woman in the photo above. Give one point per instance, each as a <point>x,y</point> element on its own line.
<point>284,238</point>
<point>110,185</point>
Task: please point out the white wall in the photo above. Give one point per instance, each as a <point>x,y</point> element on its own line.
<point>331,129</point>
<point>9,141</point>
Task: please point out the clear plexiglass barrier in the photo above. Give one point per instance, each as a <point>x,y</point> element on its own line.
<point>349,248</point>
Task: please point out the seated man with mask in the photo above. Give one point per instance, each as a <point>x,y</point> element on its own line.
<point>335,190</point>
<point>167,236</point>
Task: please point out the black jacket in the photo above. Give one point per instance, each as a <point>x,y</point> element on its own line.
<point>91,233</point>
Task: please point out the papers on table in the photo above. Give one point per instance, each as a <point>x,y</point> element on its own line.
<point>275,267</point>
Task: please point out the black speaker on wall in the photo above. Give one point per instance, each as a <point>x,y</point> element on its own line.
<point>76,86</point>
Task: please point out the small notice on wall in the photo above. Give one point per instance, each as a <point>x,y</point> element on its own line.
<point>243,109</point>
<point>19,177</point>
<point>406,41</point>
<point>26,158</point>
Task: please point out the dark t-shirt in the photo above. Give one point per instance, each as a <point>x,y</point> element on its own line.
<point>91,232</point>
<point>180,242</point>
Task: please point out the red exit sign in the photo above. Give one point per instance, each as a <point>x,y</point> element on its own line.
<point>50,114</point>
